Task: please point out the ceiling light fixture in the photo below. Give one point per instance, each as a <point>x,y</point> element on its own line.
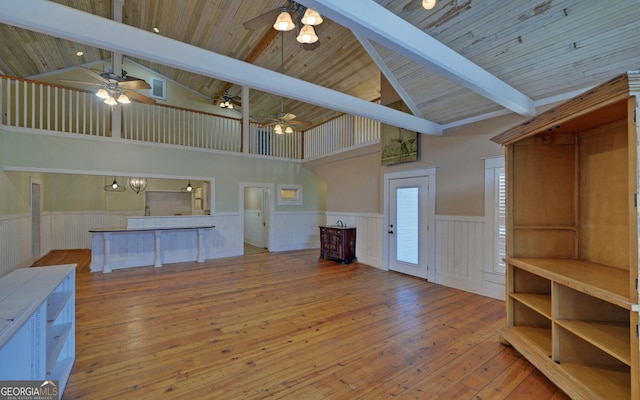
<point>156,30</point>
<point>110,101</point>
<point>284,22</point>
<point>123,99</point>
<point>112,92</point>
<point>226,104</point>
<point>428,4</point>
<point>79,53</point>
<point>307,35</point>
<point>311,17</point>
<point>187,189</point>
<point>288,129</point>
<point>114,187</point>
<point>137,185</point>
<point>278,129</point>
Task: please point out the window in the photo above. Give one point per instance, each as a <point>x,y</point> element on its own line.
<point>158,88</point>
<point>289,195</point>
<point>495,206</point>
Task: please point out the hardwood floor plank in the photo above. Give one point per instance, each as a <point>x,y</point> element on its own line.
<point>287,326</point>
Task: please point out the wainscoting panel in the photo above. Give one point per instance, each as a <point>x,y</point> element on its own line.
<point>15,242</point>
<point>295,230</point>
<point>369,235</point>
<point>460,252</point>
<point>225,240</point>
<point>70,230</point>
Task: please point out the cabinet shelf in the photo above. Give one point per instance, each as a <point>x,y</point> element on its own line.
<point>56,338</point>
<point>538,302</point>
<point>55,304</point>
<point>524,337</point>
<point>600,381</point>
<point>610,337</point>
<point>604,282</point>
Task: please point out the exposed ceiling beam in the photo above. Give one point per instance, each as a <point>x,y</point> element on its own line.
<point>375,56</point>
<point>371,20</point>
<point>81,27</point>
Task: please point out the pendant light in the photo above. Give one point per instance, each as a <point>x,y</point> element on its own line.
<point>114,187</point>
<point>307,35</point>
<point>187,189</point>
<point>136,184</point>
<point>284,22</point>
<point>311,17</point>
<point>428,4</point>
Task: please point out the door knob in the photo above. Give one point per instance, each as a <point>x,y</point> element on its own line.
<point>390,232</point>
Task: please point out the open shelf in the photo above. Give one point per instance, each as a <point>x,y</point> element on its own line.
<point>538,339</point>
<point>540,303</point>
<point>610,337</point>
<point>607,283</point>
<point>55,304</point>
<point>56,338</point>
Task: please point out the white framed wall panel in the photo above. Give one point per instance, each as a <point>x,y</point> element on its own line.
<point>226,239</point>
<point>295,230</point>
<point>15,242</point>
<point>460,252</point>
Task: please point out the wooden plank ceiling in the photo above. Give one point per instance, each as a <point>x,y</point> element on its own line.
<point>539,48</point>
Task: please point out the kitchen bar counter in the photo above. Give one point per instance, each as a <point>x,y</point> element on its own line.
<point>141,244</point>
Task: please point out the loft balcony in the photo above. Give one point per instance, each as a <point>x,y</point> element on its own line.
<point>32,106</point>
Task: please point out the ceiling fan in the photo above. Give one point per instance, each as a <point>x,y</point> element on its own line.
<point>299,13</point>
<point>228,101</point>
<point>285,122</point>
<point>115,88</point>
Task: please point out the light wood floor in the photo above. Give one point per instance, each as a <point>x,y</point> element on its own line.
<point>287,326</point>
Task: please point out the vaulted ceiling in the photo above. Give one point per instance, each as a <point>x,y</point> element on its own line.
<point>462,61</point>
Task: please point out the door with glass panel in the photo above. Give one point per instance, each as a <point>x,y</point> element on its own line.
<point>407,230</point>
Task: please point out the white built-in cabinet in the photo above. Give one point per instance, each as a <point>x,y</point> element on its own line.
<point>572,241</point>
<point>37,324</point>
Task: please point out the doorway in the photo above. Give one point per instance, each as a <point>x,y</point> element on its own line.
<point>256,205</point>
<point>409,215</point>
<point>36,216</point>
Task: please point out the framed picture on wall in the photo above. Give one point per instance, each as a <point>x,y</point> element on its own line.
<point>398,145</point>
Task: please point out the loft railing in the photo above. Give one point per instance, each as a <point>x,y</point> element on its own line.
<point>181,127</point>
<point>51,108</point>
<point>339,134</point>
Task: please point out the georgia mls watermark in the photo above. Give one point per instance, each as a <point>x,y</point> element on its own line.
<point>29,390</point>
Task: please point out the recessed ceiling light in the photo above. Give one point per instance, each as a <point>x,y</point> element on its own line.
<point>79,53</point>
<point>156,30</point>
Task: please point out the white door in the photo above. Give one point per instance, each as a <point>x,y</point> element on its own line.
<point>407,230</point>
<point>265,216</point>
<point>35,219</point>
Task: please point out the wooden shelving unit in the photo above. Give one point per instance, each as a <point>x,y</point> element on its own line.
<point>572,242</point>
<point>37,324</point>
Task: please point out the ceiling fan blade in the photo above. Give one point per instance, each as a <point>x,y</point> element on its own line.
<point>286,116</point>
<point>80,82</point>
<point>93,74</point>
<point>139,97</point>
<point>260,21</point>
<point>134,84</point>
<point>299,123</point>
